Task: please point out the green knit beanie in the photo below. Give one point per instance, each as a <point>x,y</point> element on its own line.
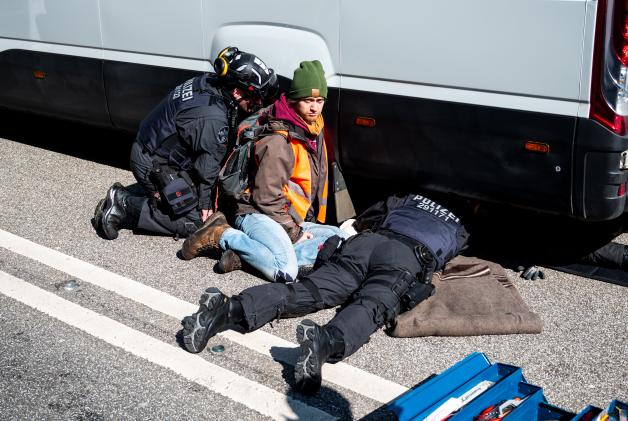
<point>308,80</point>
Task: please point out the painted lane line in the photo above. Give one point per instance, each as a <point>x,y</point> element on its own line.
<point>341,374</point>
<point>258,397</point>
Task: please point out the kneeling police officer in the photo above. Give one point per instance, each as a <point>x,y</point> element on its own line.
<point>180,145</point>
<point>382,271</point>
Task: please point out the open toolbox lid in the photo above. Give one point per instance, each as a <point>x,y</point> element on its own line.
<point>474,387</point>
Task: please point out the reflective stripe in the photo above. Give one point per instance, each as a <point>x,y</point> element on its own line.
<point>293,213</point>
<point>322,211</point>
<point>298,203</point>
<point>296,188</point>
<point>301,172</point>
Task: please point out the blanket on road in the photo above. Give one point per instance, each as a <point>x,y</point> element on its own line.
<point>473,297</point>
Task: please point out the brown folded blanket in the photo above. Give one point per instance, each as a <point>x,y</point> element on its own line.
<point>473,297</point>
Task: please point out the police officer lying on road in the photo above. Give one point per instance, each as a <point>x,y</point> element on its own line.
<point>382,271</point>
<point>180,145</point>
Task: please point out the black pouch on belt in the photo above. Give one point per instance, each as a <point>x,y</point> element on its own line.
<point>328,249</point>
<point>176,189</point>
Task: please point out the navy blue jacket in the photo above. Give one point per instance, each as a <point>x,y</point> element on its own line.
<point>421,219</point>
<point>197,114</point>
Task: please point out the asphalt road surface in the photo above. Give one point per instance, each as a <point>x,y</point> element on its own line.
<point>107,348</point>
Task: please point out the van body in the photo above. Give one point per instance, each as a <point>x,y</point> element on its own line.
<point>517,102</point>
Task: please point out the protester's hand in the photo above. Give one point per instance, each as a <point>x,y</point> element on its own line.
<point>206,213</point>
<point>532,273</point>
<point>305,236</point>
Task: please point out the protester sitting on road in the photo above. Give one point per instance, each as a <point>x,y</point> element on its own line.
<point>180,145</point>
<point>275,219</point>
<point>383,270</point>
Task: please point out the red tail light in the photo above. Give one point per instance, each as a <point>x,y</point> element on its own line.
<point>609,87</point>
<point>620,31</point>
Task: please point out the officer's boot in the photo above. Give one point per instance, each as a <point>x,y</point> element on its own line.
<point>97,219</point>
<point>624,259</point>
<point>121,209</point>
<point>216,313</point>
<point>229,261</point>
<point>318,344</point>
<point>206,237</point>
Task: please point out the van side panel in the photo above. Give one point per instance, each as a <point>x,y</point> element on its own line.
<point>469,150</point>
<point>71,88</point>
<point>457,88</point>
<point>73,22</point>
<point>166,27</point>
<point>529,47</point>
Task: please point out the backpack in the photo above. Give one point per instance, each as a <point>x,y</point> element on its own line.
<point>234,175</point>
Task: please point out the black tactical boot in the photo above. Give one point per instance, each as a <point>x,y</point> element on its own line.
<point>96,220</point>
<point>215,313</point>
<point>318,343</point>
<point>624,259</point>
<point>206,237</point>
<point>121,210</point>
<point>229,261</point>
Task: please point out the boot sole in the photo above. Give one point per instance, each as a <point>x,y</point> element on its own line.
<point>111,234</point>
<point>100,207</point>
<point>195,335</point>
<point>307,370</point>
<point>224,268</point>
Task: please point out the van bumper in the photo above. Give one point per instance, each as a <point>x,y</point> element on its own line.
<point>598,179</point>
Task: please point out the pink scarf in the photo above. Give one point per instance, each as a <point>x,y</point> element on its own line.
<point>283,111</point>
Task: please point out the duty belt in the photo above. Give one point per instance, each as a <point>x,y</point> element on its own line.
<point>422,253</point>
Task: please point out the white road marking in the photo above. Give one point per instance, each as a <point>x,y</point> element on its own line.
<point>341,374</point>
<point>237,388</point>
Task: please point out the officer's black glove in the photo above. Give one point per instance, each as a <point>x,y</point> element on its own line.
<point>532,273</point>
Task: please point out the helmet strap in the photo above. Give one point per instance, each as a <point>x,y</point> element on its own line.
<point>226,92</point>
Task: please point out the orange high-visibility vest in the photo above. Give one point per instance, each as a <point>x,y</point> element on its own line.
<point>299,188</point>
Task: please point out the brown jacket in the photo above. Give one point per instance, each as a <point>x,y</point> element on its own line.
<point>274,171</point>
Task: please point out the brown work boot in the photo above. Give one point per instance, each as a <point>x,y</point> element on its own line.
<point>206,237</point>
<point>229,261</point>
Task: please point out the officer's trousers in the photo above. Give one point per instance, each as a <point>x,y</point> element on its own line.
<point>367,278</point>
<point>157,217</point>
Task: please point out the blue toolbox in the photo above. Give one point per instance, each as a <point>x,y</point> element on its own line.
<point>475,389</point>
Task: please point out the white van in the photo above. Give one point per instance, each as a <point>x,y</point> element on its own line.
<point>513,101</point>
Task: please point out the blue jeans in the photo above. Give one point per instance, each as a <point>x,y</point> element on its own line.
<point>265,245</point>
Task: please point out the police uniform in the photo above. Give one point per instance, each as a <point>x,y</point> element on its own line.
<point>187,131</point>
<point>374,275</point>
